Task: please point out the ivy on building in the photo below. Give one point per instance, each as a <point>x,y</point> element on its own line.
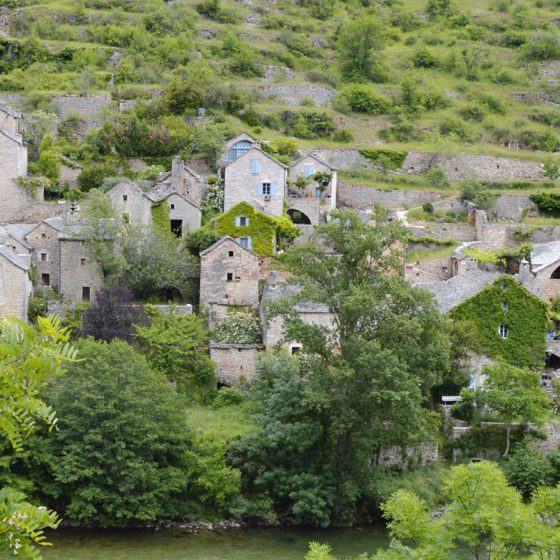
<point>160,217</point>
<point>263,230</point>
<point>522,317</point>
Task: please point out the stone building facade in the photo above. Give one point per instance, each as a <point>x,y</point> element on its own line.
<point>235,363</point>
<point>257,178</point>
<point>229,276</point>
<point>15,286</point>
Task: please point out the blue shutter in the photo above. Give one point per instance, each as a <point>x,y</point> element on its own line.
<point>249,243</point>
<point>237,221</point>
<point>308,170</point>
<point>273,189</point>
<point>255,166</point>
<point>259,189</point>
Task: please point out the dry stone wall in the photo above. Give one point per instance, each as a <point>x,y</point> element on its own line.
<point>423,454</point>
<point>235,363</point>
<point>294,95</point>
<point>360,196</point>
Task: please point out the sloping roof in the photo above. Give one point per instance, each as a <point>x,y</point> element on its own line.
<point>451,293</point>
<point>21,261</point>
<point>12,136</point>
<point>8,110</point>
<point>164,191</point>
<point>58,223</point>
<point>544,254</point>
<point>277,291</point>
<point>258,148</point>
<point>222,240</point>
<point>316,158</point>
<point>19,232</point>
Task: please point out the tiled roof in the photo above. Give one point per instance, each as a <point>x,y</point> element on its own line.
<point>544,254</point>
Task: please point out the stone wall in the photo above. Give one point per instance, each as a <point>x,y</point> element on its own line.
<point>461,232</point>
<point>342,158</point>
<point>294,95</point>
<point>46,253</point>
<point>473,166</point>
<point>430,271</point>
<point>511,206</point>
<point>39,211</point>
<point>309,206</point>
<point>235,363</point>
<point>553,438</point>
<point>361,196</point>
<point>15,290</point>
<point>423,454</point>
<point>128,200</point>
<point>85,105</point>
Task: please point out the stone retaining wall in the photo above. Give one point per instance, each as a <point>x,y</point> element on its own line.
<point>86,105</point>
<point>423,454</point>
<point>442,231</point>
<point>294,95</point>
<point>360,196</point>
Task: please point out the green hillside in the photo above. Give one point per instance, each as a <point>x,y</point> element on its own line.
<point>436,75</point>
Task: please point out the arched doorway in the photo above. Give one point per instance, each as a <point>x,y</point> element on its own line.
<point>556,274</point>
<point>298,217</point>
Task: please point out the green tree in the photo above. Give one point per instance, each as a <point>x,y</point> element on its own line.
<point>477,193</point>
<point>362,385</point>
<point>360,43</point>
<point>119,454</point>
<point>238,327</point>
<point>29,359</point>
<point>177,347</point>
<point>514,395</point>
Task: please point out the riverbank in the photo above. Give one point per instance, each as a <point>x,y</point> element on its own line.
<point>218,544</point>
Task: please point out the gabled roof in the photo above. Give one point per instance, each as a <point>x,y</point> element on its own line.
<point>10,111</point>
<point>12,136</point>
<point>259,150</point>
<point>19,232</point>
<point>449,294</point>
<point>276,291</point>
<point>21,261</point>
<point>544,254</point>
<point>316,158</point>
<point>223,240</point>
<point>163,192</point>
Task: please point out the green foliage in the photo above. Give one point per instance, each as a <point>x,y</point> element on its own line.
<point>552,169</point>
<point>238,327</point>
<point>343,135</point>
<point>549,203</point>
<point>476,192</point>
<point>440,8</point>
<point>389,159</point>
<point>307,124</point>
<point>176,346</point>
<point>228,396</point>
<point>437,178</point>
<point>200,239</point>
<point>92,176</point>
<point>509,304</point>
<point>160,218</point>
<point>362,98</point>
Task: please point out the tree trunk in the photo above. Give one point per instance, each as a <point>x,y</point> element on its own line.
<point>508,431</point>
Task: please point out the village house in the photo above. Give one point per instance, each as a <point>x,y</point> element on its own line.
<point>311,192</point>
<point>236,147</point>
<point>257,178</point>
<point>132,205</point>
<point>183,180</point>
<point>235,363</point>
<point>15,285</point>
<point>13,166</point>
<point>229,276</point>
<point>541,276</point>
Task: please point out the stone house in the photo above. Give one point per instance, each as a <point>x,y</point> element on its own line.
<point>15,285</point>
<point>541,276</point>
<point>133,205</point>
<point>258,178</point>
<point>13,166</point>
<point>235,363</point>
<point>229,276</point>
<point>250,227</point>
<point>183,180</point>
<point>236,147</point>
<point>312,189</point>
<point>15,237</point>
<point>312,313</point>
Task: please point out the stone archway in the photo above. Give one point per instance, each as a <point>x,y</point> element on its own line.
<point>556,274</point>
<point>298,217</point>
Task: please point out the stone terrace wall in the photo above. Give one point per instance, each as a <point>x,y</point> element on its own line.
<point>293,95</point>
<point>40,211</point>
<point>511,206</point>
<point>341,158</point>
<point>86,105</point>
<point>360,196</point>
<point>473,167</point>
<point>443,231</point>
<point>423,454</point>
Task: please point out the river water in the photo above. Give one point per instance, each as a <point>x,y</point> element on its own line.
<point>234,544</point>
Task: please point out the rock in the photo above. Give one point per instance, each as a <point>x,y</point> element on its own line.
<point>272,73</point>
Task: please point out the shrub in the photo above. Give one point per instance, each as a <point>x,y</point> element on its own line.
<point>436,177</point>
<point>552,169</point>
<point>238,327</point>
<point>472,113</point>
<point>92,176</point>
<point>362,99</point>
<point>343,135</point>
<point>549,203</point>
<point>545,141</point>
<point>228,396</point>
<point>475,192</point>
<point>541,47</point>
<point>389,159</point>
<point>428,207</point>
<point>453,127</point>
<point>424,58</point>
<point>440,8</point>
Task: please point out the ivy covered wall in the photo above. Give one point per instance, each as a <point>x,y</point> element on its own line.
<point>506,303</point>
<point>160,217</point>
<point>261,228</point>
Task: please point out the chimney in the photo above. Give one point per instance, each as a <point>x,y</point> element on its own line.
<point>178,174</point>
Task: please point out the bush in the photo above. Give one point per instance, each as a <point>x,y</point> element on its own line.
<point>238,327</point>
<point>528,469</point>
<point>343,135</point>
<point>549,203</point>
<point>92,176</point>
<point>552,169</point>
<point>472,113</point>
<point>362,99</point>
<point>453,127</point>
<point>200,239</point>
<point>440,8</point>
<point>545,141</point>
<point>228,396</point>
<point>428,207</point>
<point>424,58</point>
<point>436,177</point>
<point>389,159</point>
<point>475,192</point>
<point>541,47</point>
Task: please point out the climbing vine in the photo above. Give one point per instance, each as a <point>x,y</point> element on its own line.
<point>506,303</point>
<point>160,217</point>
<point>390,159</point>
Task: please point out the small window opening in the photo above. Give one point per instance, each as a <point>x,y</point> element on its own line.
<point>82,262</point>
<point>296,350</point>
<point>266,189</point>
<point>85,293</point>
<point>43,236</point>
<point>229,277</point>
<point>243,221</point>
<point>504,287</point>
<point>243,241</point>
<point>230,253</point>
<point>46,279</point>
<point>172,206</point>
<point>504,331</point>
<point>125,197</point>
<point>177,227</point>
<point>505,305</point>
<point>44,257</point>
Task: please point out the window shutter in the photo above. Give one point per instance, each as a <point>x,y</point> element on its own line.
<point>273,189</point>
<point>255,166</point>
<point>308,170</point>
<point>249,243</point>
<point>237,221</point>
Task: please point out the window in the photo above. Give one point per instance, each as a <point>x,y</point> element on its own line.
<point>266,189</point>
<point>238,149</point>
<point>308,170</point>
<point>229,277</point>
<point>504,287</point>
<point>43,236</point>
<point>255,166</point>
<point>85,293</point>
<point>125,197</point>
<point>230,253</point>
<point>318,192</point>
<point>126,218</point>
<point>172,206</point>
<point>242,221</point>
<point>44,257</point>
<point>505,305</point>
<point>503,330</point>
<point>295,349</point>
<point>82,262</point>
<point>245,242</point>
<point>46,279</point>
<point>177,227</point>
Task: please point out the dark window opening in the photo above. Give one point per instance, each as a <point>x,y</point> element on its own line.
<point>125,197</point>
<point>504,331</point>
<point>266,189</point>
<point>86,296</point>
<point>229,277</point>
<point>44,257</point>
<point>230,253</point>
<point>177,227</point>
<point>173,207</point>
<point>46,279</point>
<point>298,217</point>
<point>295,350</point>
<point>82,262</point>
<point>43,236</point>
